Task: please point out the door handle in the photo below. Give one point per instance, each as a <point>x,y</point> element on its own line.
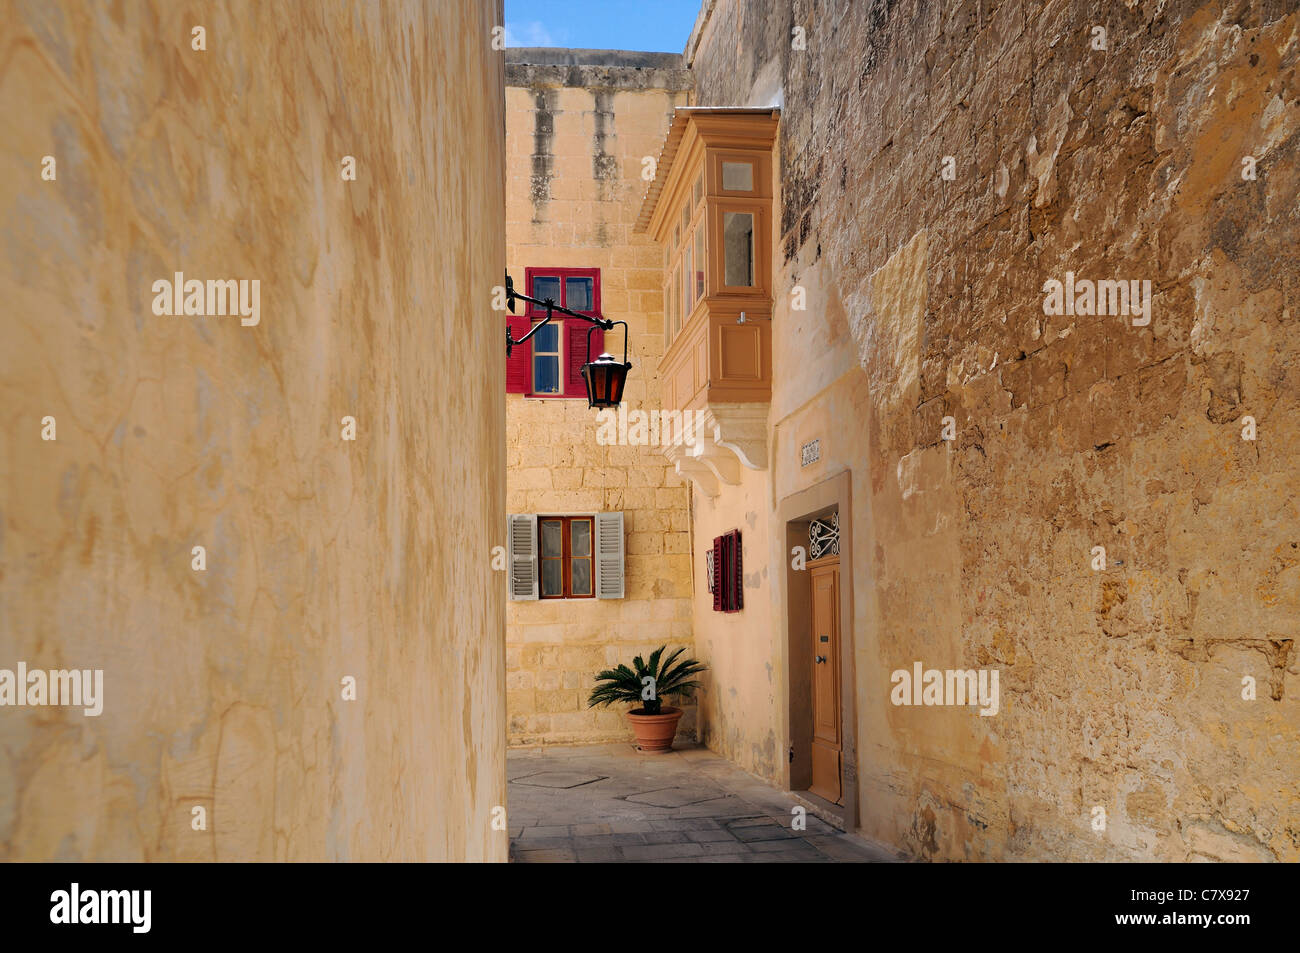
<point>820,659</point>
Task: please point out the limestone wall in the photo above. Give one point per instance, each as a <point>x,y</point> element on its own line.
<point>575,139</point>
<point>1167,156</point>
<point>324,558</point>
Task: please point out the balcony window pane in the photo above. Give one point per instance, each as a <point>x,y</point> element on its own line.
<point>699,190</point>
<point>737,177</point>
<point>699,262</point>
<point>676,300</point>
<point>689,290</point>
<point>738,249</point>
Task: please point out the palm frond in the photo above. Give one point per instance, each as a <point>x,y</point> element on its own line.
<point>623,684</point>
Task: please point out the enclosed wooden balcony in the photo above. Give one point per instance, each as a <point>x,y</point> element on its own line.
<point>710,209</point>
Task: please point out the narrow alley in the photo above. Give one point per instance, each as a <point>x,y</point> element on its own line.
<point>610,803</point>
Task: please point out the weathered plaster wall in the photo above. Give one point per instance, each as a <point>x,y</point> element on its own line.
<point>743,687</point>
<point>576,135</point>
<point>1120,689</point>
<point>325,558</point>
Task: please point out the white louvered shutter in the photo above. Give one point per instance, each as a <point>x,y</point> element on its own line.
<point>521,530</point>
<point>609,555</point>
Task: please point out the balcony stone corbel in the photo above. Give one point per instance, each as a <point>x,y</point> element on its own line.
<point>720,460</point>
<point>740,428</point>
<point>695,470</point>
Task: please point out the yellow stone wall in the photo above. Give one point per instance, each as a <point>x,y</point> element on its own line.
<point>324,558</point>
<point>591,140</point>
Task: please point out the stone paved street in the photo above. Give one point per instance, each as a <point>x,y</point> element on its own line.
<point>611,803</point>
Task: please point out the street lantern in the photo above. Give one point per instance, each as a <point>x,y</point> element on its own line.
<point>605,377</point>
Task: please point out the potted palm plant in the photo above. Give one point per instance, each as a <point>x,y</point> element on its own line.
<point>647,684</point>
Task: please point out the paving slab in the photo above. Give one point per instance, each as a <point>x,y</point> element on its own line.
<point>676,796</point>
<point>558,779</point>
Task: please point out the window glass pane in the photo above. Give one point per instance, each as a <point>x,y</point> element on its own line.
<point>699,190</point>
<point>581,543</point>
<point>690,285</point>
<point>738,249</point>
<point>546,373</point>
<point>737,177</point>
<point>699,262</point>
<point>552,577</point>
<point>579,294</point>
<point>686,222</point>
<point>677,300</point>
<point>547,339</point>
<point>580,577</point>
<point>545,286</point>
<point>552,538</point>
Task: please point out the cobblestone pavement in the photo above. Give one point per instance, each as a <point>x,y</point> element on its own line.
<point>613,804</point>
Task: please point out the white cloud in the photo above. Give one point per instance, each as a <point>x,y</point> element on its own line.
<point>533,33</point>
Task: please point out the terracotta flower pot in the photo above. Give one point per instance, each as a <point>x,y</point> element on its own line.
<point>655,733</point>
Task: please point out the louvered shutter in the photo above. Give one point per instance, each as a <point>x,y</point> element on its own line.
<point>609,555</point>
<point>738,577</point>
<point>521,531</point>
<point>576,331</point>
<point>717,573</point>
<point>518,369</point>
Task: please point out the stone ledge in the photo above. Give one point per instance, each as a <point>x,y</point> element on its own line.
<point>532,75</point>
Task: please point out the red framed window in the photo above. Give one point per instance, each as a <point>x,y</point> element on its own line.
<point>550,364</point>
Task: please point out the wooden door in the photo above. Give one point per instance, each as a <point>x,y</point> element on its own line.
<point>825,650</point>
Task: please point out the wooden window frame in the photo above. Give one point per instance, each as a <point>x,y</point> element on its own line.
<point>683,300</point>
<point>561,361</point>
<point>715,277</point>
<point>566,556</point>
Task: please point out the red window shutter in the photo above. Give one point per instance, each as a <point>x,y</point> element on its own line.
<point>738,580</point>
<point>518,369</point>
<point>718,574</point>
<point>576,332</point>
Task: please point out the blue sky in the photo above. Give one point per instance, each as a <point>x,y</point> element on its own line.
<point>656,25</point>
